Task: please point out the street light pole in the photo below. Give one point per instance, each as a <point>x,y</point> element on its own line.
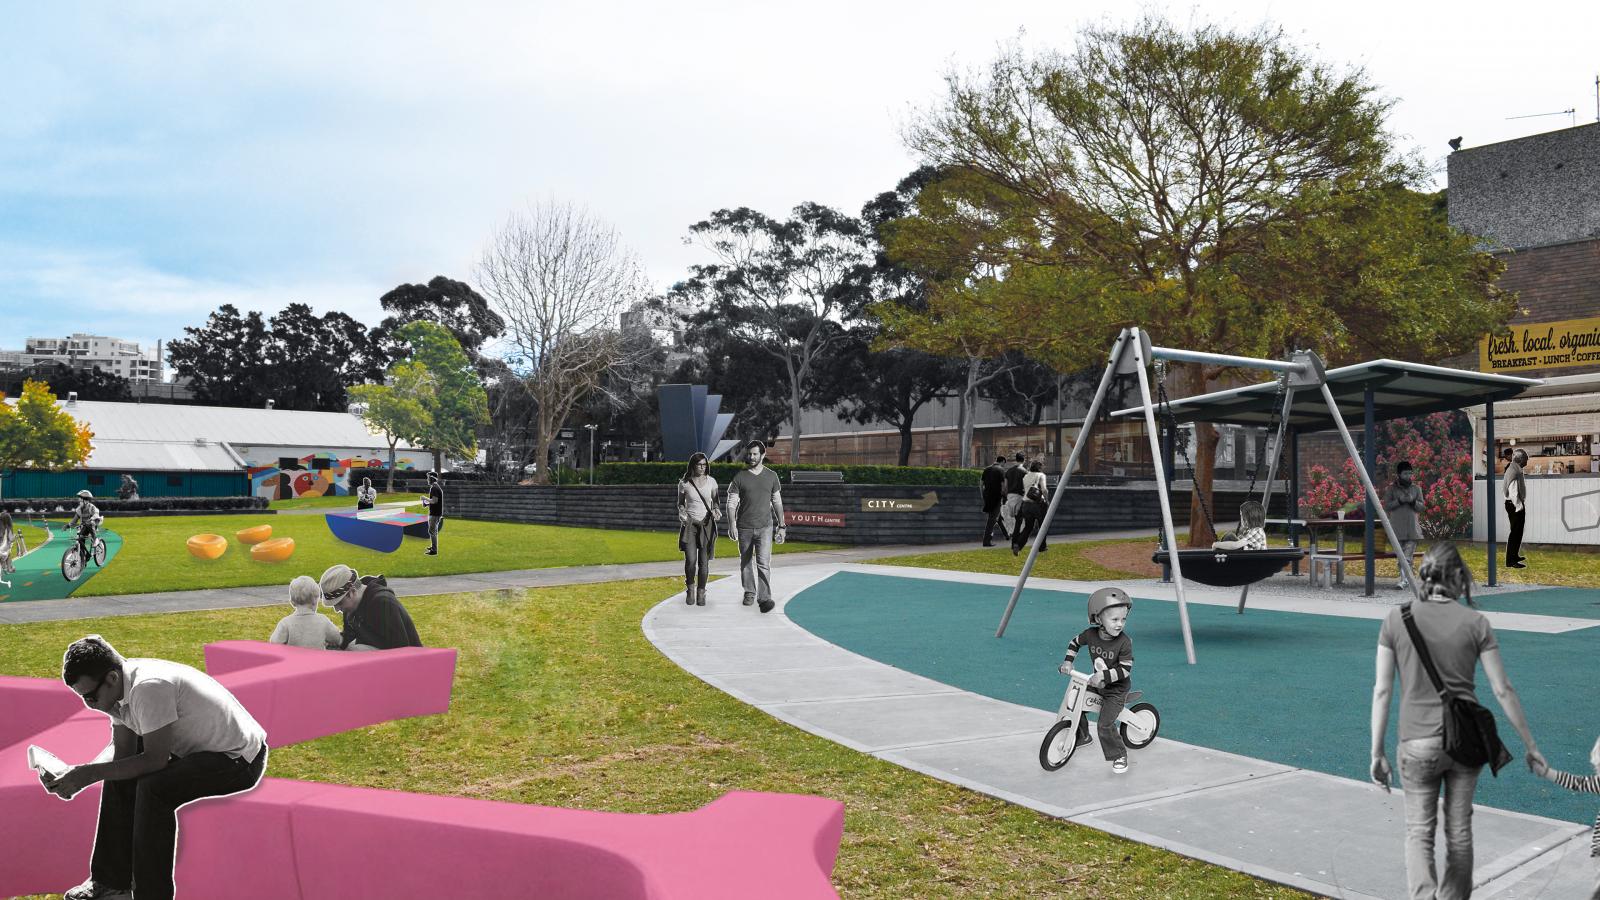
<point>591,451</point>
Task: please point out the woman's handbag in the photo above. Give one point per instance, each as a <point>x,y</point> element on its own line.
<point>1470,736</point>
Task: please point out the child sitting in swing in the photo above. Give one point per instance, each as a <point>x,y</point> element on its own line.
<point>1252,533</point>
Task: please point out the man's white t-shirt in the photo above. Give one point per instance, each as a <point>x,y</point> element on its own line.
<point>208,717</point>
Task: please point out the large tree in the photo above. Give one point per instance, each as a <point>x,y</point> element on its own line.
<point>1221,188</point>
<point>781,287</point>
<point>559,276</point>
<point>297,359</point>
<point>453,304</point>
<point>455,403</point>
<point>400,408</point>
<point>225,360</point>
<point>35,433</point>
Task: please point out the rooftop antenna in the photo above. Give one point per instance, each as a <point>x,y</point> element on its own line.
<point>1570,111</point>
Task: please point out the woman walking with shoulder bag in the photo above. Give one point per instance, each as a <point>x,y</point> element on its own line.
<point>1436,644</point>
<point>698,515</point>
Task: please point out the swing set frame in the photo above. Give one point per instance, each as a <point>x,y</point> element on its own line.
<point>1133,354</point>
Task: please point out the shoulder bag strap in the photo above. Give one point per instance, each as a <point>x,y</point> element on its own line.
<point>1421,647</point>
<point>702,494</point>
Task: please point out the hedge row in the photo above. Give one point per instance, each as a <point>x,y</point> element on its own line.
<point>111,505</point>
<point>669,472</point>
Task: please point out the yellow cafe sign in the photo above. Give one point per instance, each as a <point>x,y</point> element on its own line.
<point>1546,345</point>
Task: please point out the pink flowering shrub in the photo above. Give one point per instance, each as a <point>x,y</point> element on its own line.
<point>1441,467</point>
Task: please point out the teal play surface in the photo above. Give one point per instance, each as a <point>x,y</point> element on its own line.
<point>1571,603</point>
<point>38,575</point>
<point>1290,688</point>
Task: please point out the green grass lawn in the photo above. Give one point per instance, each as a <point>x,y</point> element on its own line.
<point>559,700</point>
<point>1560,568</point>
<point>1063,560</point>
<point>154,556</point>
<point>346,501</point>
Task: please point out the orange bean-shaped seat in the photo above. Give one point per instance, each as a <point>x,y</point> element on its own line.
<point>207,546</point>
<point>255,534</point>
<point>275,550</point>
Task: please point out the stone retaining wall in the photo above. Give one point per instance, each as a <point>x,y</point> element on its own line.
<point>864,513</point>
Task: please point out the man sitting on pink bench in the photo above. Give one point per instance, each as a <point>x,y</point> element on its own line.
<point>176,736</point>
<point>373,616</point>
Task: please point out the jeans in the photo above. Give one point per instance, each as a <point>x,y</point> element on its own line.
<point>1008,512</point>
<point>434,523</point>
<point>1517,517</point>
<point>136,840</point>
<point>1407,548</point>
<point>755,562</point>
<point>1424,768</point>
<point>1112,699</point>
<point>697,544</point>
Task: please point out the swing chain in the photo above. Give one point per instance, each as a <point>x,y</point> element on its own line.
<point>1277,409</point>
<point>1181,440</point>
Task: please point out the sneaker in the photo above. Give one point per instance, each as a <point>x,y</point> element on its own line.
<point>749,599</point>
<point>1119,765</point>
<point>430,552</point>
<point>1519,564</point>
<point>767,605</point>
<point>1084,740</point>
<point>89,890</point>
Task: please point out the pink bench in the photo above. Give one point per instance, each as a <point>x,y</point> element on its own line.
<point>292,839</point>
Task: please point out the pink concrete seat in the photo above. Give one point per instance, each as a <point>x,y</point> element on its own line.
<point>297,840</point>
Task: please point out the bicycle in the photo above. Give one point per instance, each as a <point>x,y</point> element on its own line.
<point>73,561</point>
<point>1139,722</point>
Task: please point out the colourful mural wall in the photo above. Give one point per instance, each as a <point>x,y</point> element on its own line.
<point>318,474</point>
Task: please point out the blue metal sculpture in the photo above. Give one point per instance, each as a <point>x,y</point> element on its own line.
<point>690,422</point>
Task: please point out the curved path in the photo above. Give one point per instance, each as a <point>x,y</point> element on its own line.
<point>1316,832</point>
<point>38,575</point>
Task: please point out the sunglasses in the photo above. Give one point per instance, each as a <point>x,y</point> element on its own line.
<point>334,597</point>
<point>92,697</point>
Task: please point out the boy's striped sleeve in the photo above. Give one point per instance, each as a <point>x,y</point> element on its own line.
<point>1073,647</point>
<point>1590,785</point>
<point>1123,667</point>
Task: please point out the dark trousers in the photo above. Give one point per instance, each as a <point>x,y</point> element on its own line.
<point>434,524</point>
<point>993,520</point>
<point>136,840</point>
<point>1514,542</point>
<point>1112,699</point>
<point>698,542</point>
<point>1027,524</point>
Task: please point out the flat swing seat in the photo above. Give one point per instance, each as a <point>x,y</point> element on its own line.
<point>1231,568</point>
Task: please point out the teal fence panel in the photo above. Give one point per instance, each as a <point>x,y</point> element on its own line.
<point>27,483</point>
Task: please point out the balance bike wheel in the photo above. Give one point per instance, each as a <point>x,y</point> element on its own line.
<point>1060,742</point>
<point>1149,723</point>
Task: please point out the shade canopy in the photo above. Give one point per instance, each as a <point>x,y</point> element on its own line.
<point>1400,390</point>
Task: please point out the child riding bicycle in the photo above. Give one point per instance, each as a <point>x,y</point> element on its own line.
<point>86,517</point>
<point>1112,650</point>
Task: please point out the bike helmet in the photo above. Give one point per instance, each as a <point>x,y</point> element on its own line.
<point>86,495</point>
<point>1104,599</point>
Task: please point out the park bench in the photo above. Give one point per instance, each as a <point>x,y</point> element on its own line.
<point>1332,565</point>
<point>297,833</point>
<point>801,476</point>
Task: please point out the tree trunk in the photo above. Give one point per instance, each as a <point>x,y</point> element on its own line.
<point>1201,534</point>
<point>905,443</point>
<point>969,399</point>
<point>438,461</point>
<point>389,488</point>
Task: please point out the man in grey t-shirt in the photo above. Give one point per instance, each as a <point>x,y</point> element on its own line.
<point>176,736</point>
<point>755,520</point>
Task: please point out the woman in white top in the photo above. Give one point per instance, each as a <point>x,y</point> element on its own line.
<point>698,515</point>
<point>1035,499</point>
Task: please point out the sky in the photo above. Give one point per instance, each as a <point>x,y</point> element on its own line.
<point>161,158</point>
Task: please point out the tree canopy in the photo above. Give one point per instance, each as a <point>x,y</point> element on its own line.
<point>456,405</point>
<point>400,408</point>
<point>35,433</point>
<point>1220,188</point>
<point>297,359</point>
<point>453,304</point>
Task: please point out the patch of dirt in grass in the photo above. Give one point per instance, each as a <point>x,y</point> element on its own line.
<point>1125,557</point>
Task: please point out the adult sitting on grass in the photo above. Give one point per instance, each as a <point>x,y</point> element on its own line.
<point>305,627</point>
<point>373,616</point>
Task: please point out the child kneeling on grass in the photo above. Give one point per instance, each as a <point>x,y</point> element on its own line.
<point>305,627</point>
<point>1112,650</point>
<point>1574,783</point>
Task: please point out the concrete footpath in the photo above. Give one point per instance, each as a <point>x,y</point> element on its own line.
<point>268,595</point>
<point>1320,833</point>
